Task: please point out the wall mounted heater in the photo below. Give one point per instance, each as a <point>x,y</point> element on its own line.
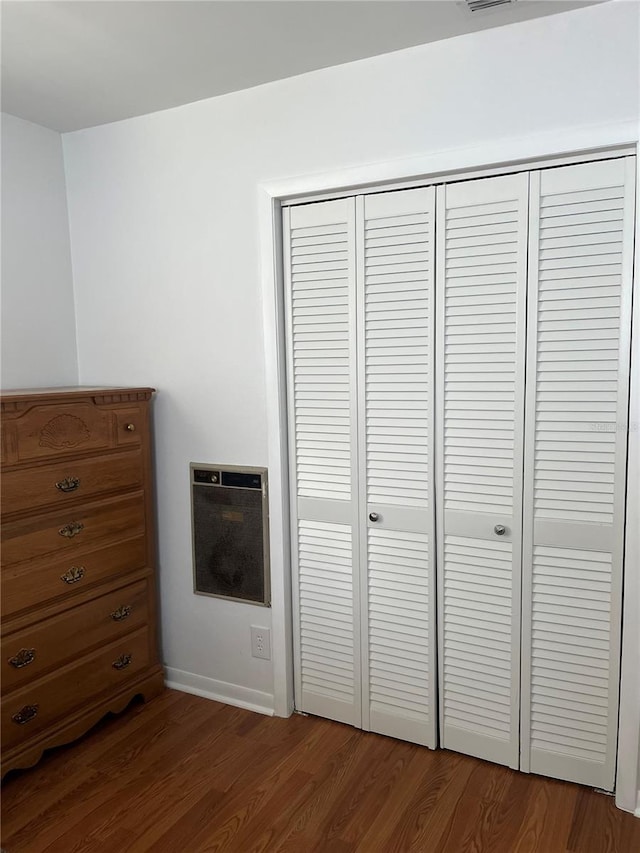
<point>230,525</point>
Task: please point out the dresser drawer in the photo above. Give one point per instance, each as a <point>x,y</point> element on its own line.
<point>30,585</point>
<point>71,531</point>
<point>130,426</point>
<point>45,431</point>
<point>29,653</point>
<point>65,482</point>
<point>46,701</point>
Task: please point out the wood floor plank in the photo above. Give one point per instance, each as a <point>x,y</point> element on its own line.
<point>260,783</point>
<point>373,801</point>
<point>20,824</point>
<point>238,770</point>
<point>359,801</point>
<point>45,827</point>
<point>59,767</point>
<point>187,775</point>
<point>332,798</point>
<point>264,832</point>
<point>266,823</point>
<point>597,828</point>
<point>478,805</point>
<point>148,811</point>
<point>545,824</point>
<point>409,780</point>
<point>429,807</point>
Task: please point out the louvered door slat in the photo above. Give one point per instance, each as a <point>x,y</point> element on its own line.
<point>578,350</point>
<point>320,289</point>
<point>481,290</point>
<point>395,286</point>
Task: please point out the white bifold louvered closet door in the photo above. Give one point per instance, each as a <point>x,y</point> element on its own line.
<point>359,279</point>
<point>580,275</point>
<point>482,277</point>
<point>510,335</point>
<point>542,507</point>
<point>320,290</point>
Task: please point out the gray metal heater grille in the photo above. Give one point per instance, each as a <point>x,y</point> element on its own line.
<point>230,523</point>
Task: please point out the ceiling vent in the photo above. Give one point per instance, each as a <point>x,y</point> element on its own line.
<point>481,5</point>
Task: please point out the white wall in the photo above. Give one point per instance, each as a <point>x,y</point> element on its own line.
<point>164,223</point>
<point>38,319</point>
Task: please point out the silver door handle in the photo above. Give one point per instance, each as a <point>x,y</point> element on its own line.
<point>373,516</point>
<point>499,529</point>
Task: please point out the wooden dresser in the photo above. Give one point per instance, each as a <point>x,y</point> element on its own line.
<point>78,602</point>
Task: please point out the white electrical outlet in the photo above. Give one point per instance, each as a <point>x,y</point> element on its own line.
<point>261,642</point>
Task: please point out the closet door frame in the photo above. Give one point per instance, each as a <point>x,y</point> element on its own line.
<point>540,150</point>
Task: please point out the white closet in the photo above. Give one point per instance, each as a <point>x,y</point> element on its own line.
<point>413,319</point>
<point>360,291</point>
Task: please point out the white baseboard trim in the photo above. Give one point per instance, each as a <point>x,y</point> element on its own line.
<point>220,691</point>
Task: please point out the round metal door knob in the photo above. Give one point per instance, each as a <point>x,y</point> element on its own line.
<point>373,516</point>
<point>499,529</point>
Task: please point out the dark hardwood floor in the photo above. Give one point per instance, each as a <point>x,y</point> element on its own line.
<point>184,774</point>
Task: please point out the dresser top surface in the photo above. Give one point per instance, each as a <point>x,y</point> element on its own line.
<point>71,392</point>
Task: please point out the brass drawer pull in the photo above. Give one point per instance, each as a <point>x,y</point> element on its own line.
<point>130,427</point>
<point>69,484</point>
<point>23,658</point>
<point>75,574</point>
<point>122,662</point>
<point>121,613</point>
<point>72,529</point>
<point>25,714</point>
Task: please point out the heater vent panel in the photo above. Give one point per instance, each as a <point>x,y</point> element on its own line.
<point>229,510</point>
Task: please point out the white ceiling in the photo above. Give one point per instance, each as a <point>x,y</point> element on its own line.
<point>78,63</point>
